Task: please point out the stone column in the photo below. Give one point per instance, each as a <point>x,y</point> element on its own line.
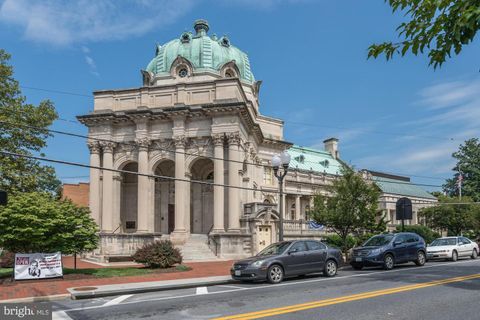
<point>285,207</point>
<point>297,207</point>
<point>107,203</point>
<point>218,191</point>
<point>179,234</point>
<point>143,187</point>
<point>233,180</point>
<point>94,193</point>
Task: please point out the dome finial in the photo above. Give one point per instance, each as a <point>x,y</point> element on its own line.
<point>201,26</point>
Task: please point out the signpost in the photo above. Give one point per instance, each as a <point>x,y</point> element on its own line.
<point>3,198</point>
<point>404,210</point>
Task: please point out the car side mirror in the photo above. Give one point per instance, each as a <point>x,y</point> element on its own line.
<point>397,243</point>
<point>292,251</point>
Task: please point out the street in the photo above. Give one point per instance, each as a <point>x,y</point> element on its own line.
<point>439,290</point>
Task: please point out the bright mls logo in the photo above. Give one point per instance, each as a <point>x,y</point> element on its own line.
<point>26,311</point>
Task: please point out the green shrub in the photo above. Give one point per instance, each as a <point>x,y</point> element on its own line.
<point>425,232</point>
<point>336,241</point>
<point>7,259</point>
<point>159,254</point>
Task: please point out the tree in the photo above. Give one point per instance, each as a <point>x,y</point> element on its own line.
<point>351,208</point>
<point>37,222</point>
<point>451,216</point>
<point>468,163</point>
<point>21,174</point>
<point>439,27</point>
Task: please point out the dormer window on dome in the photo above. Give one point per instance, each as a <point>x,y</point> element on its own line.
<point>224,41</point>
<point>186,37</point>
<point>203,53</point>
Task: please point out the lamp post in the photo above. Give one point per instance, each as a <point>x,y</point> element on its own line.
<point>282,160</point>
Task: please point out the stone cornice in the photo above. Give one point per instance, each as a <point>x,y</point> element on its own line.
<point>192,111</point>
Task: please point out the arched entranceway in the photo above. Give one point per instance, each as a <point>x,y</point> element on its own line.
<point>201,197</point>
<point>165,197</point>
<point>129,198</point>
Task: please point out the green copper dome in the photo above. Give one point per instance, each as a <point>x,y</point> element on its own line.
<point>205,53</point>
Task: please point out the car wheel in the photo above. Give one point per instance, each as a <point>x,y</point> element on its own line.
<point>420,259</point>
<point>474,254</point>
<point>388,262</point>
<point>330,268</point>
<point>454,256</point>
<point>357,266</point>
<point>275,274</point>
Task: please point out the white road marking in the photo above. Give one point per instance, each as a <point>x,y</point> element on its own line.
<point>202,290</point>
<point>229,286</point>
<point>117,300</point>
<point>283,284</point>
<point>60,315</point>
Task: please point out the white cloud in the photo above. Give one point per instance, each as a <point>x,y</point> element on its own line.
<point>451,116</point>
<point>90,62</point>
<point>62,22</point>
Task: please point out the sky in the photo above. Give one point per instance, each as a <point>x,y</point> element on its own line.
<point>400,116</point>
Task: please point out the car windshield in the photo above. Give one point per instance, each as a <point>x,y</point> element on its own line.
<point>378,240</point>
<point>444,242</point>
<point>276,248</point>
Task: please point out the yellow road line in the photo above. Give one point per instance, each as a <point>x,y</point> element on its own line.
<point>359,296</point>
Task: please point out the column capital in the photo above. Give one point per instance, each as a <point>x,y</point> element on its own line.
<point>180,141</point>
<point>94,146</point>
<point>143,143</point>
<point>218,139</point>
<point>108,146</point>
<point>233,138</point>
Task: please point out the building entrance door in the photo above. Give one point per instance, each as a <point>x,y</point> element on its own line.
<point>171,218</point>
<point>264,237</point>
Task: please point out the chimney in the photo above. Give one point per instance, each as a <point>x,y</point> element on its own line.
<point>331,145</point>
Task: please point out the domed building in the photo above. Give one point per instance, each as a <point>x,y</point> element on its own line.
<point>202,150</point>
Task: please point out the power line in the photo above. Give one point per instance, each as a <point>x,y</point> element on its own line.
<point>288,122</point>
<point>17,155</point>
<point>174,151</point>
<point>128,144</point>
<point>308,161</point>
<point>58,91</point>
<point>372,131</point>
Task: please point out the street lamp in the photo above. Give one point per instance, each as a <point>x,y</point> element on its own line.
<point>283,160</point>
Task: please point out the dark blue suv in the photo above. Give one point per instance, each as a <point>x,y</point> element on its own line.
<point>389,249</point>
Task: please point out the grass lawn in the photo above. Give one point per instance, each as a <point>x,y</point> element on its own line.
<point>107,272</point>
<point>6,272</point>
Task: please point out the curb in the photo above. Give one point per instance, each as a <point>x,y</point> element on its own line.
<point>54,297</point>
<point>141,288</point>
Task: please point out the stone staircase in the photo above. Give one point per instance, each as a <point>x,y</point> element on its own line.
<point>196,249</point>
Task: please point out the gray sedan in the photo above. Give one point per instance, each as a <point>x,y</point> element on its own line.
<point>287,259</point>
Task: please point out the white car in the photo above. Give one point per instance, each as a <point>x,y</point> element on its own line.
<point>452,248</point>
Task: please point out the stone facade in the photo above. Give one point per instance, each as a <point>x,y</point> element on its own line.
<point>201,150</point>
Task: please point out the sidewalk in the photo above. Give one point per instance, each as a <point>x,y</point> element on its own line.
<point>26,289</point>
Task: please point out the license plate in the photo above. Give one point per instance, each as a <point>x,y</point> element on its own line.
<point>238,272</point>
<point>358,259</point>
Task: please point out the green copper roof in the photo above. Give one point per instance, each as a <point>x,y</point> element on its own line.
<point>400,187</point>
<point>202,51</point>
<point>313,160</point>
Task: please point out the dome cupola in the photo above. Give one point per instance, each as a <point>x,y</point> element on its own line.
<point>194,53</point>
